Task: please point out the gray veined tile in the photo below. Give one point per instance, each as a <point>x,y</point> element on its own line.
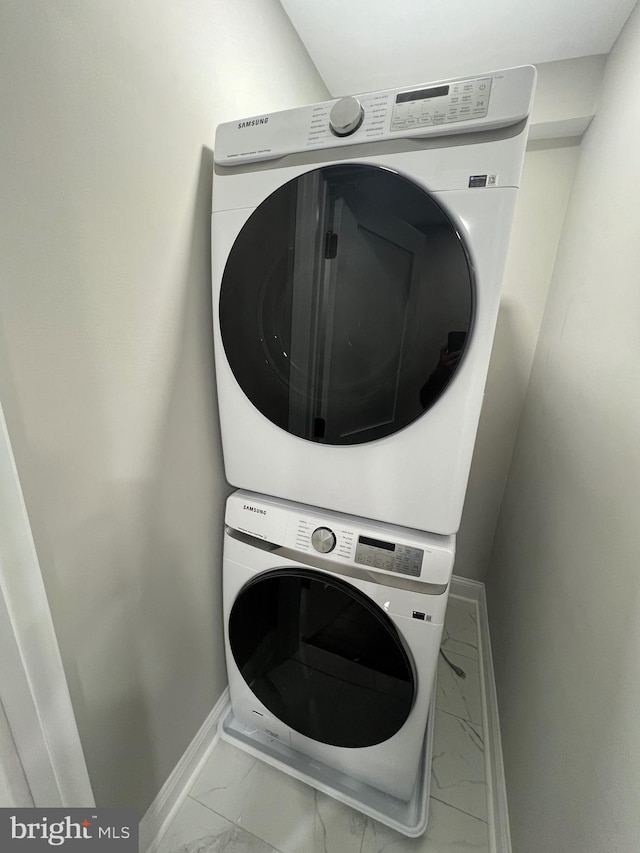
<point>337,827</point>
<point>231,840</point>
<point>460,696</point>
<point>460,632</point>
<point>448,831</point>
<point>286,813</point>
<point>458,774</point>
<point>221,778</point>
<point>196,829</point>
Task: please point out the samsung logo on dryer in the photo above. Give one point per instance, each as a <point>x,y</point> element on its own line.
<point>252,122</point>
<point>254,509</point>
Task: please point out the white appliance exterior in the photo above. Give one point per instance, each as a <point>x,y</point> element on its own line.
<point>416,477</point>
<point>390,766</point>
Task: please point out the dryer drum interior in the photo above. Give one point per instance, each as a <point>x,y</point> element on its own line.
<point>346,304</point>
<point>322,657</point>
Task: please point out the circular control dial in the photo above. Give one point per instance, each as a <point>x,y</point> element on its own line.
<point>346,116</point>
<point>323,540</point>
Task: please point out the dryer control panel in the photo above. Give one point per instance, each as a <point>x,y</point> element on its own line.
<point>461,105</point>
<point>451,102</point>
<point>390,556</point>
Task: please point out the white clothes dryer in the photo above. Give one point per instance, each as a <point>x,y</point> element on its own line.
<point>332,632</point>
<point>358,248</point>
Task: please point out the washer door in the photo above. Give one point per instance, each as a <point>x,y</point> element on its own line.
<point>322,657</point>
<point>346,304</point>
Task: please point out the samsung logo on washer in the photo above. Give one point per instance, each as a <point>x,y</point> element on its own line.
<point>253,122</point>
<point>255,509</point>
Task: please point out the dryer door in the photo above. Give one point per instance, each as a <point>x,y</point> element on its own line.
<point>346,304</point>
<point>322,657</point>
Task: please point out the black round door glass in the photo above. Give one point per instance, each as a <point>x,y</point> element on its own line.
<point>322,657</point>
<point>346,304</point>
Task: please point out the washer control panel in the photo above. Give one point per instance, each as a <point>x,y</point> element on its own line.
<point>363,550</point>
<point>346,540</point>
<point>389,556</point>
<point>450,102</point>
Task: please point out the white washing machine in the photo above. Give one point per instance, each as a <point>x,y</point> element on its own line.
<point>333,627</point>
<point>358,248</point>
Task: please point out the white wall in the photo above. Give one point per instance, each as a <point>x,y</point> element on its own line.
<point>564,589</point>
<point>565,101</point>
<point>567,92</point>
<point>106,373</point>
<point>547,177</point>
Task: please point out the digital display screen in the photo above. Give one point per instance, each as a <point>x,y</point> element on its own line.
<point>375,543</point>
<point>422,94</point>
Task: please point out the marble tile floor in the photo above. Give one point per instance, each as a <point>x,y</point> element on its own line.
<point>239,804</point>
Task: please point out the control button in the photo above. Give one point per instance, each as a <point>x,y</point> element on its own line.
<point>346,116</point>
<point>323,540</point>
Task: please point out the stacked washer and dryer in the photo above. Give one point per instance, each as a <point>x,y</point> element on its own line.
<point>358,247</point>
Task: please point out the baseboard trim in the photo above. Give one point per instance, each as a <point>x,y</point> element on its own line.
<point>499,834</point>
<point>173,793</point>
<point>466,588</point>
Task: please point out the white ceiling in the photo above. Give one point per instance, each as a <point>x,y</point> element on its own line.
<point>364,45</point>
